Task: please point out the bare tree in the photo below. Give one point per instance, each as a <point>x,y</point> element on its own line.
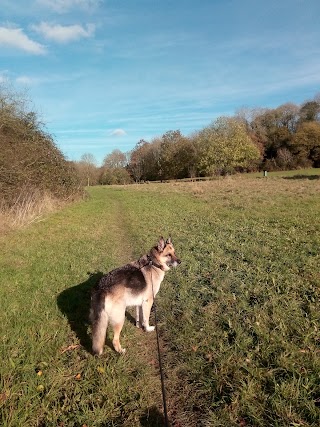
<point>87,168</point>
<point>116,159</point>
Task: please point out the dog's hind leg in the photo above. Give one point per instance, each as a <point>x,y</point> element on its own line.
<point>99,330</point>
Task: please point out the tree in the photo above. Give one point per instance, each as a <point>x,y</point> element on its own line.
<point>310,111</point>
<point>116,159</point>
<point>306,143</point>
<point>114,169</point>
<point>284,159</point>
<point>225,146</point>
<point>87,169</point>
<point>273,129</point>
<point>186,156</point>
<point>111,176</point>
<point>153,162</point>
<point>287,116</point>
<point>145,160</point>
<point>169,161</point>
<point>137,162</point>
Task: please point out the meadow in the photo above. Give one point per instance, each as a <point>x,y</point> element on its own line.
<point>239,319</point>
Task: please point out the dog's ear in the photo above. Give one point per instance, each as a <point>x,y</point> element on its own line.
<point>169,241</point>
<point>161,244</point>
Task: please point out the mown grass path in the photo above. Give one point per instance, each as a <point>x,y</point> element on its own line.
<point>239,319</point>
<point>46,377</point>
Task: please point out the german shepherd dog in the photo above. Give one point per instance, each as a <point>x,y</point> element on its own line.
<point>134,284</point>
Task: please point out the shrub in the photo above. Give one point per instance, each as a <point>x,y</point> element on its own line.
<point>30,161</point>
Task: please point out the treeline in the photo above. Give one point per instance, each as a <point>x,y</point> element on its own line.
<point>286,137</point>
<point>31,165</point>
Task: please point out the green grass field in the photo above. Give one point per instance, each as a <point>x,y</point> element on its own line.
<point>239,318</point>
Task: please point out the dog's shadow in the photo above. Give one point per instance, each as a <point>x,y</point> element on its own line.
<point>74,303</point>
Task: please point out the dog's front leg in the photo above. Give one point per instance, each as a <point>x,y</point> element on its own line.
<point>146,308</point>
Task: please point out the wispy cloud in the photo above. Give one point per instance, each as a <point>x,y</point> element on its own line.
<point>24,80</point>
<point>63,6</point>
<point>118,132</point>
<point>35,79</point>
<point>15,38</point>
<point>64,34</point>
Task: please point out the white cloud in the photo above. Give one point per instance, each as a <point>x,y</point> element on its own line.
<point>118,132</point>
<point>15,38</point>
<point>25,80</point>
<point>63,34</point>
<point>62,6</point>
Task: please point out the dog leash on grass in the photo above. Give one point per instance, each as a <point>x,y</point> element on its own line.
<point>166,422</point>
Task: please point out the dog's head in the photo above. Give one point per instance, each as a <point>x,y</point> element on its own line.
<point>165,254</point>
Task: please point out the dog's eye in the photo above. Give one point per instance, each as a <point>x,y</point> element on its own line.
<point>169,255</point>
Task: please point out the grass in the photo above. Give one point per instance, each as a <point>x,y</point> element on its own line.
<point>312,173</point>
<point>239,318</point>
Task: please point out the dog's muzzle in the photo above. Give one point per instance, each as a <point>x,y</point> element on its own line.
<point>174,263</point>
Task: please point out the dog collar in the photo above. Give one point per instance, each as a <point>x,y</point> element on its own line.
<point>151,262</point>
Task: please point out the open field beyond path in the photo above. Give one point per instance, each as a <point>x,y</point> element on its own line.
<point>239,318</point>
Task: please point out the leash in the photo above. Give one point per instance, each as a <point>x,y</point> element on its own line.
<point>166,422</point>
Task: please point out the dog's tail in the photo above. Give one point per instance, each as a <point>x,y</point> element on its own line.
<point>99,319</point>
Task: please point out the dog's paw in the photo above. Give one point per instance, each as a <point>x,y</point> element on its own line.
<point>138,324</point>
<point>150,328</point>
<point>97,351</point>
<point>122,351</point>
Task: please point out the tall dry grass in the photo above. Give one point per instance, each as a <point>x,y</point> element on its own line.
<point>30,206</point>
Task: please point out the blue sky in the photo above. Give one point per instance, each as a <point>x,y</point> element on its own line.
<point>105,74</point>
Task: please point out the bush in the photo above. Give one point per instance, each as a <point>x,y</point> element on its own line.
<point>30,161</point>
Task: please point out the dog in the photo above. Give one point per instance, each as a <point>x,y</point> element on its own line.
<point>134,284</point>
